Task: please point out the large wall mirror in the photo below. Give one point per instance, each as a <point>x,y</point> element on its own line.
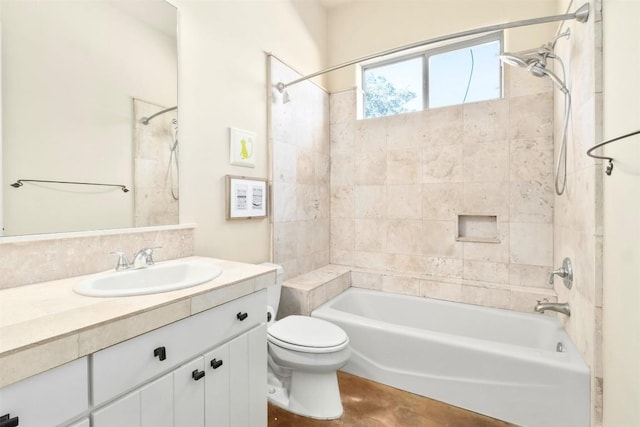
<point>78,77</point>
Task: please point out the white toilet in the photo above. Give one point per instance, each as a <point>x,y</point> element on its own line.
<point>304,354</point>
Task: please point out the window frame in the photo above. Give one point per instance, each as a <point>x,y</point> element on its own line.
<point>426,54</point>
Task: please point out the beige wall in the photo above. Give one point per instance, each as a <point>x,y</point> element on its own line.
<point>361,28</point>
<point>222,80</point>
<point>621,323</point>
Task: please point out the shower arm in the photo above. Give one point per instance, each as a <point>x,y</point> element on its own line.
<point>580,15</point>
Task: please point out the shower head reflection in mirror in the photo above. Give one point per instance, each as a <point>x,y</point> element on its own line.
<point>536,62</point>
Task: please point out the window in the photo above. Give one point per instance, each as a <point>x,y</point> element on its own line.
<point>455,74</point>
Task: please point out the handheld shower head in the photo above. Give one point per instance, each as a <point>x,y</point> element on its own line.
<point>540,70</point>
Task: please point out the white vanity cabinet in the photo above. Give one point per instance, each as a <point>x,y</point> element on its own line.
<point>211,371</point>
<point>47,399</point>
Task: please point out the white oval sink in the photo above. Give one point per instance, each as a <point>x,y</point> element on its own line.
<point>161,277</point>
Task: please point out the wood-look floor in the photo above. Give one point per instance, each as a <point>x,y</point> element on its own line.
<point>370,404</point>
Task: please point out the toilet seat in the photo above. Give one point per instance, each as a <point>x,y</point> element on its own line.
<point>307,334</point>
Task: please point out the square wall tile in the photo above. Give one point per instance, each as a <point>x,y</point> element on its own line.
<point>442,201</point>
<point>442,163</point>
<point>531,244</point>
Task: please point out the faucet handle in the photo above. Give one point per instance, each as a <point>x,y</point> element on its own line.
<point>123,262</point>
<point>566,272</point>
<point>148,254</point>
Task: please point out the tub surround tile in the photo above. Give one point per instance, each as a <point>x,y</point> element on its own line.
<point>318,149</point>
<point>302,294</point>
<point>442,126</point>
<point>366,259</point>
<point>371,201</point>
<point>371,235</point>
<point>485,121</point>
<point>363,279</point>
<point>490,297</point>
<point>371,134</point>
<point>401,285</point>
<point>49,324</point>
<point>441,290</point>
<point>530,275</point>
<point>486,161</point>
<point>442,201</point>
<point>404,166</point>
<point>401,131</point>
<point>531,116</point>
<point>531,244</point>
<point>531,159</point>
<point>495,272</point>
<point>404,201</point>
<point>442,163</point>
<point>370,167</point>
<point>531,201</point>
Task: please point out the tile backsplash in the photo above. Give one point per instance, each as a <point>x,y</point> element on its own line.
<point>32,259</point>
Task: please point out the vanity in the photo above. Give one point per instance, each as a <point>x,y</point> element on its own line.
<point>190,357</point>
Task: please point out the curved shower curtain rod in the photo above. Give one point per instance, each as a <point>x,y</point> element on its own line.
<point>146,120</point>
<point>580,15</point>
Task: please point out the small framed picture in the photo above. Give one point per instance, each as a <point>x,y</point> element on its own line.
<point>246,197</point>
<point>242,147</point>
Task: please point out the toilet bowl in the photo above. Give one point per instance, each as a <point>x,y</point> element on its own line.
<point>304,354</point>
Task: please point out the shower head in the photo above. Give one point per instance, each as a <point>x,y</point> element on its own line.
<point>540,70</point>
<point>516,60</point>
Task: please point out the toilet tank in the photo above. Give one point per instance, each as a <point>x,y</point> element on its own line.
<point>273,292</point>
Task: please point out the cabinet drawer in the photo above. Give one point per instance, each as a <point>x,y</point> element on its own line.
<point>49,398</point>
<point>124,366</point>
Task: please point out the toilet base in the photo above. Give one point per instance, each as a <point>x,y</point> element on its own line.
<point>310,395</point>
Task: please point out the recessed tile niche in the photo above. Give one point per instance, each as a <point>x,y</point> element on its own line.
<point>478,228</point>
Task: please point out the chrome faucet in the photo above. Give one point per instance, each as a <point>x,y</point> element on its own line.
<point>142,259</point>
<point>563,308</point>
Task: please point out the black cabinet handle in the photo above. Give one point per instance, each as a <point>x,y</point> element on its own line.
<point>7,421</point>
<point>196,375</point>
<point>241,316</point>
<point>160,353</point>
<point>215,363</point>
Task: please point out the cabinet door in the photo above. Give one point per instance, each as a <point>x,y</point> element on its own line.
<point>124,412</point>
<point>216,387</point>
<point>188,394</point>
<point>257,369</point>
<point>49,398</point>
<point>239,382</point>
<point>156,403</point>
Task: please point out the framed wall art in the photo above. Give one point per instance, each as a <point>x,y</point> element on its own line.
<point>246,197</point>
<point>242,147</point>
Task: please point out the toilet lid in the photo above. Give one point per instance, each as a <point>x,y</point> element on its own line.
<point>307,331</point>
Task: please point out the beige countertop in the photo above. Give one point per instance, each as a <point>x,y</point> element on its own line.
<point>47,324</point>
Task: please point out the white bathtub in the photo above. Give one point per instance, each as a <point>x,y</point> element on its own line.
<point>495,362</point>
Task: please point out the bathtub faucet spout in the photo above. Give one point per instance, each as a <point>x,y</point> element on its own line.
<point>563,308</point>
